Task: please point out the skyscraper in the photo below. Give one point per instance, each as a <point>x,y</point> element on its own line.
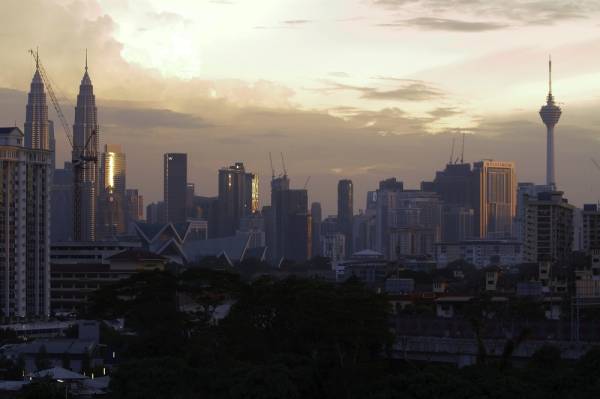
<point>24,227</point>
<point>238,197</point>
<point>289,227</point>
<point>85,140</point>
<point>550,114</point>
<point>495,185</point>
<point>346,211</point>
<point>317,215</point>
<point>36,115</point>
<point>111,204</point>
<point>175,187</point>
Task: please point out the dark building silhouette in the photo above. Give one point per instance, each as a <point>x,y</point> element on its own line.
<point>36,115</point>
<point>289,227</point>
<point>316,215</point>
<point>175,187</point>
<point>111,201</point>
<point>134,207</point>
<point>238,197</point>
<point>346,211</point>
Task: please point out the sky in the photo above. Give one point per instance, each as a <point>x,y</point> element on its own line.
<point>359,89</point>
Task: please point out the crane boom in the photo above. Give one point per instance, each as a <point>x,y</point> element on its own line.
<point>53,98</point>
<point>595,163</point>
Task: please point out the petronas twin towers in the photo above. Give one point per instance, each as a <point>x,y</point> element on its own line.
<point>85,129</point>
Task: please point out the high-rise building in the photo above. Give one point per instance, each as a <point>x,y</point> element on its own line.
<point>317,215</point>
<point>86,137</point>
<point>156,213</point>
<point>526,191</point>
<point>175,187</point>
<point>495,185</point>
<point>238,197</point>
<point>111,203</point>
<point>408,222</point>
<point>36,115</point>
<point>550,114</point>
<point>52,143</point>
<point>346,211</point>
<point>24,227</point>
<point>549,227</point>
<point>134,207</point>
<point>591,228</point>
<point>289,230</point>
<point>61,204</point>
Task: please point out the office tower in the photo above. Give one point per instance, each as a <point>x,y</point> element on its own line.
<point>549,227</point>
<point>457,223</point>
<point>61,205</point>
<point>86,137</point>
<point>24,227</point>
<point>252,202</point>
<point>454,185</point>
<point>408,222</point>
<point>386,200</point>
<point>36,115</point>
<point>156,213</point>
<point>364,230</point>
<point>289,236</point>
<point>333,246</point>
<point>550,114</point>
<point>190,193</point>
<point>495,186</point>
<point>417,224</point>
<point>111,203</point>
<point>316,214</point>
<point>346,211</point>
<point>590,228</point>
<point>134,207</point>
<point>175,187</point>
<point>238,197</point>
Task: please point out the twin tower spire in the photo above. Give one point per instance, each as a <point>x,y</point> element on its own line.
<point>37,127</point>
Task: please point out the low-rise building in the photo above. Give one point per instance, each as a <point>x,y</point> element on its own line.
<point>480,253</point>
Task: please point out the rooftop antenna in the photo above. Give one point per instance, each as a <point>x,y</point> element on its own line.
<point>283,164</point>
<point>37,58</point>
<point>452,151</point>
<point>86,59</point>
<point>550,74</point>
<point>462,150</point>
<point>272,168</point>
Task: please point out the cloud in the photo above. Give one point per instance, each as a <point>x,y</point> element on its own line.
<point>295,22</point>
<point>409,90</point>
<point>519,12</point>
<point>429,23</point>
<point>146,118</point>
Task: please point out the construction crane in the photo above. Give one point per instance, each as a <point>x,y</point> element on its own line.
<point>306,183</point>
<point>283,165</point>
<point>272,168</point>
<point>81,157</point>
<point>596,164</point>
<point>452,151</point>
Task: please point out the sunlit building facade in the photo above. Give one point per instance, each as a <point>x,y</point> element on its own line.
<point>111,205</point>
<point>496,184</point>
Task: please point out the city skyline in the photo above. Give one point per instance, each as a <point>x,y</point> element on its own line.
<point>370,126</point>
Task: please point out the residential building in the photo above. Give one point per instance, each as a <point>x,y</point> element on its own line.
<point>316,214</point>
<point>238,197</point>
<point>346,211</point>
<point>24,227</point>
<point>480,253</point>
<point>591,227</point>
<point>333,246</point>
<point>549,227</point>
<point>61,204</point>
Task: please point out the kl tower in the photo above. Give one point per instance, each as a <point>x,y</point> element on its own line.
<point>550,114</point>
